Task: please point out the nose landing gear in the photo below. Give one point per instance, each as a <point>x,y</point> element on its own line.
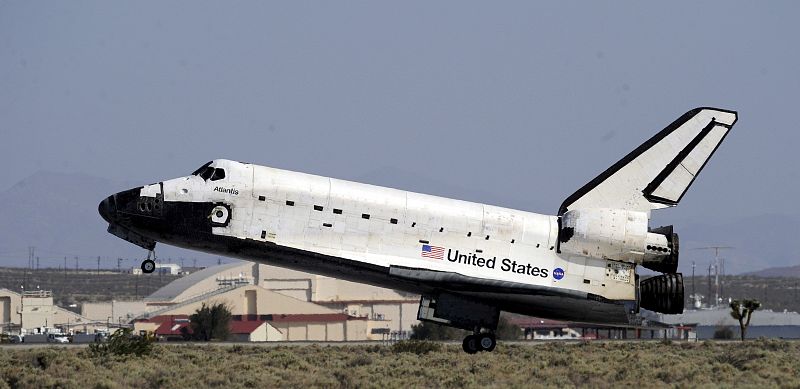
<point>149,265</point>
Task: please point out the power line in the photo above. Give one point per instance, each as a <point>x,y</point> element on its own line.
<point>716,266</point>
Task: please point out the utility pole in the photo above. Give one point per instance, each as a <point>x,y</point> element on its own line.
<point>65,267</point>
<point>694,291</point>
<point>722,282</point>
<point>31,253</point>
<point>76,264</point>
<point>717,286</point>
<point>119,265</point>
<point>710,265</point>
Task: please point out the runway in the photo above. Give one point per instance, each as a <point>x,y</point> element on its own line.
<point>525,343</point>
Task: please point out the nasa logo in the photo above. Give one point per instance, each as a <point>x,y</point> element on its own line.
<point>558,273</point>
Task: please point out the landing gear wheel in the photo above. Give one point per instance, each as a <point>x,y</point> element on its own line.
<point>470,344</point>
<point>148,266</point>
<point>487,341</point>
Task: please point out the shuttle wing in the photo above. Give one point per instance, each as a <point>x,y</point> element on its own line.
<point>660,171</point>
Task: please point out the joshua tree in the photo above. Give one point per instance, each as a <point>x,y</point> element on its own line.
<point>741,310</point>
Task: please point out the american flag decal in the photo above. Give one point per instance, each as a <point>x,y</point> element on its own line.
<point>434,252</point>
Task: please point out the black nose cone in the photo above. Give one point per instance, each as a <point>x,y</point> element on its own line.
<point>108,208</point>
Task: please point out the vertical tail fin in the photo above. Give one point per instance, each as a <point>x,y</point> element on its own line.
<point>660,171</point>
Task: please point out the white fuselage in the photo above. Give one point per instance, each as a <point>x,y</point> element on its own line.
<point>388,227</point>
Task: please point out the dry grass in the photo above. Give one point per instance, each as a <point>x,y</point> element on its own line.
<point>763,363</point>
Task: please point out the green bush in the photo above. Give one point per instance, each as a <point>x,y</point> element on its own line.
<point>506,330</point>
<point>757,364</point>
<point>418,347</point>
<point>431,331</point>
<point>211,322</point>
<point>123,343</point>
<point>723,332</point>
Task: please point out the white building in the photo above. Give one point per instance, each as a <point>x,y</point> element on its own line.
<point>161,268</point>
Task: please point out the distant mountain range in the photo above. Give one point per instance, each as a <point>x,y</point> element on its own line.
<point>759,242</point>
<point>788,272</point>
<point>57,214</point>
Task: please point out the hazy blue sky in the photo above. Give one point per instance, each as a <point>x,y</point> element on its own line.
<point>523,100</point>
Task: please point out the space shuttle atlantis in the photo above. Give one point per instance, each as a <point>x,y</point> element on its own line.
<point>469,261</point>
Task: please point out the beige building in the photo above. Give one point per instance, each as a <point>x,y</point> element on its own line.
<point>115,311</point>
<point>35,309</point>
<point>294,319</point>
<point>241,300</point>
<point>254,331</point>
<point>388,312</point>
<point>298,305</point>
<point>254,289</point>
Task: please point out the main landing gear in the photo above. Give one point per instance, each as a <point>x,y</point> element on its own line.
<point>149,265</point>
<point>463,312</point>
<point>481,341</point>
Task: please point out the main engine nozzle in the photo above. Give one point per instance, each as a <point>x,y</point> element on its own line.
<point>663,294</point>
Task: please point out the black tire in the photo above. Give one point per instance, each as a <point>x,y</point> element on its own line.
<point>470,344</point>
<point>487,342</point>
<point>148,266</point>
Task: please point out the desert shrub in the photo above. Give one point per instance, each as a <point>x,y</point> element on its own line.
<point>345,378</point>
<point>723,332</point>
<point>123,343</point>
<point>756,364</point>
<point>737,359</point>
<point>773,344</point>
<point>284,358</point>
<point>42,360</point>
<point>506,330</point>
<point>418,347</point>
<point>360,360</point>
<point>431,331</point>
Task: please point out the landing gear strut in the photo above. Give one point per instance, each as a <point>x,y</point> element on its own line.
<point>149,265</point>
<point>481,341</point>
<point>462,312</point>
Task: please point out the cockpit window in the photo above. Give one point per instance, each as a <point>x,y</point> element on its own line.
<point>218,174</point>
<point>201,169</point>
<point>206,174</point>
